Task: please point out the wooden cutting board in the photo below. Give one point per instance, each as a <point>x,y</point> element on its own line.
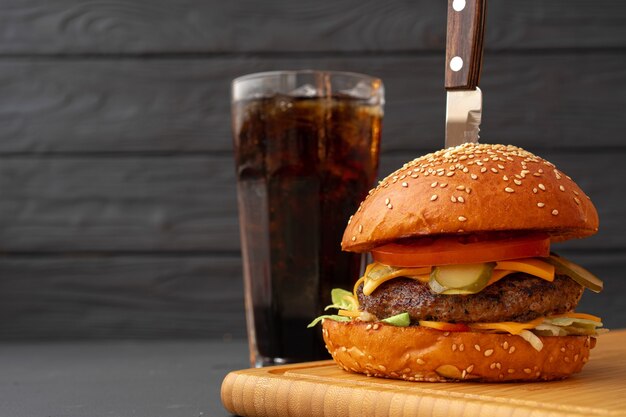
<point>316,389</point>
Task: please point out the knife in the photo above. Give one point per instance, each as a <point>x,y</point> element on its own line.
<point>464,53</point>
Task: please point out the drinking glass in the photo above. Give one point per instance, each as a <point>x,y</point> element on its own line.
<point>306,152</point>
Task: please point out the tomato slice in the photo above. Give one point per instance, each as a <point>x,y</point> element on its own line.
<point>460,250</point>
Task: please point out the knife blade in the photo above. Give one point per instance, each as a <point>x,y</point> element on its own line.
<point>464,51</point>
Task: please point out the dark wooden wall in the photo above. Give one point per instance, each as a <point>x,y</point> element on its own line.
<point>117,189</point>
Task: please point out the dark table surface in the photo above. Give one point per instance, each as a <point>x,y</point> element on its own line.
<point>152,378</point>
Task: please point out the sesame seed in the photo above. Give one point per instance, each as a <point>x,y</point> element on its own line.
<point>460,187</point>
<point>453,199</point>
<point>509,190</point>
<point>461,347</point>
<point>404,184</point>
<point>536,174</point>
<point>449,174</point>
<point>576,357</point>
<point>360,228</point>
<point>566,359</point>
<point>474,176</point>
<point>443,185</point>
<point>387,201</point>
<point>505,178</point>
<point>499,365</point>
<point>466,170</point>
<point>434,184</point>
<point>535,190</point>
<point>420,361</point>
<point>492,366</point>
<point>433,197</point>
<point>453,347</point>
<point>468,190</point>
<point>483,170</point>
<point>577,200</point>
<point>512,349</point>
<point>353,238</point>
<point>517,182</point>
<point>511,370</point>
<point>462,219</point>
<point>527,370</point>
<point>488,352</point>
<point>477,347</point>
<point>542,187</point>
<point>495,171</point>
<point>463,374</point>
<point>555,212</point>
<point>375,327</point>
<point>505,345</point>
<point>500,166</point>
<point>540,204</point>
<point>389,206</point>
<point>369,326</point>
<point>382,368</point>
<point>461,199</point>
<point>440,173</point>
<point>470,369</point>
<point>575,192</point>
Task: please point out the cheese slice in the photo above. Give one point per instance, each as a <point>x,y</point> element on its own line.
<point>531,266</point>
<point>377,273</point>
<point>498,274</point>
<point>507,326</point>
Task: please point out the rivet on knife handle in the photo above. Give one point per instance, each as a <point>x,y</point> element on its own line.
<point>464,43</point>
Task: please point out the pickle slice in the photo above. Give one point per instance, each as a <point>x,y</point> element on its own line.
<point>460,279</point>
<point>576,272</point>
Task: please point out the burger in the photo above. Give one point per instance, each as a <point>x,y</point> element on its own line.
<point>463,285</point>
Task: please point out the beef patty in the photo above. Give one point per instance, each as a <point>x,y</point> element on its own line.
<point>518,297</point>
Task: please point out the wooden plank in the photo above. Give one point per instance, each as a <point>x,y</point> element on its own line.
<point>176,295</point>
<point>188,203</point>
<point>71,26</point>
<point>157,105</point>
<point>322,389</point>
<point>118,204</point>
<point>148,296</point>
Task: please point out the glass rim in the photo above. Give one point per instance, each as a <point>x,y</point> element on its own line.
<point>274,73</point>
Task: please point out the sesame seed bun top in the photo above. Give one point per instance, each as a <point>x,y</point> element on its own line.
<point>468,189</point>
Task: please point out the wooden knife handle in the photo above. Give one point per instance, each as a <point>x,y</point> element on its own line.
<point>464,43</point>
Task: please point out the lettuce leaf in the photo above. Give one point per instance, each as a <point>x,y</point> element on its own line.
<point>327,316</point>
<point>342,300</point>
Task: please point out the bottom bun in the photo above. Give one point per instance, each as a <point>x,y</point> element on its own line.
<point>417,353</point>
